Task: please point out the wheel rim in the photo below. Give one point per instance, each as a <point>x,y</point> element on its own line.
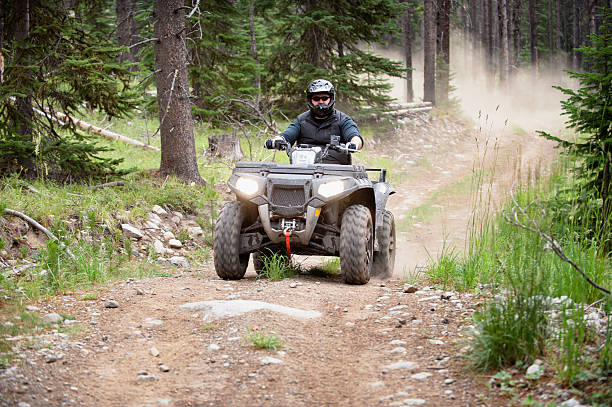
<point>369,247</point>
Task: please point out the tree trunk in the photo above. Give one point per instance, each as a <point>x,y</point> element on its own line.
<point>254,44</point>
<point>516,33</point>
<point>407,45</point>
<point>443,50</point>
<point>551,42</point>
<point>127,29</point>
<point>178,156</point>
<point>429,50</point>
<point>475,31</point>
<point>558,34</point>
<point>225,146</point>
<point>575,36</point>
<point>533,36</point>
<point>486,36</point>
<point>505,47</point>
<point>24,104</point>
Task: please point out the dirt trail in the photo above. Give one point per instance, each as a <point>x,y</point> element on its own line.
<point>372,344</point>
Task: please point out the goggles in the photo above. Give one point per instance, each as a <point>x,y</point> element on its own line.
<point>320,98</point>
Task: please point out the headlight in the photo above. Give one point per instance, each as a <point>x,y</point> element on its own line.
<point>247,186</point>
<point>331,188</point>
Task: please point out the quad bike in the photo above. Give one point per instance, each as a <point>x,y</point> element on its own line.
<point>310,208</point>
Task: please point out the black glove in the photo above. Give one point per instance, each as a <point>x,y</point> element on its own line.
<point>352,146</point>
<point>274,143</point>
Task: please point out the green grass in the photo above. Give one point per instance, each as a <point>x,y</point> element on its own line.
<point>328,267</point>
<point>261,340</point>
<point>278,267</point>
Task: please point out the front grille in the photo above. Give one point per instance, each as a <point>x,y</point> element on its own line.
<point>287,196</point>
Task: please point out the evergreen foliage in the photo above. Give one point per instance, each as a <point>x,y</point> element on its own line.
<point>321,39</point>
<point>589,110</point>
<point>221,67</point>
<point>60,62</point>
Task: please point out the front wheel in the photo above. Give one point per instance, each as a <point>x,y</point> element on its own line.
<point>384,260</point>
<point>356,244</point>
<point>229,263</point>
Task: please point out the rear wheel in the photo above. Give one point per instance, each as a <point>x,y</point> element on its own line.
<point>384,260</point>
<point>229,263</point>
<point>356,244</point>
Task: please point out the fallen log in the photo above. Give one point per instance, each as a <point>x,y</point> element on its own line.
<point>103,132</point>
<point>59,117</point>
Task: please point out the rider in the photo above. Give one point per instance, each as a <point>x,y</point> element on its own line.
<point>320,123</point>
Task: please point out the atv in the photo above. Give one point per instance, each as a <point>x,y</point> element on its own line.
<point>308,208</point>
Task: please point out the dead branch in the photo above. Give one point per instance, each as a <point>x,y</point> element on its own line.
<point>518,213</point>
<point>108,184</point>
<point>39,227</point>
<point>168,104</point>
<point>143,42</point>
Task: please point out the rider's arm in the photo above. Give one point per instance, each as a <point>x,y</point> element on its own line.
<point>292,132</point>
<point>350,132</point>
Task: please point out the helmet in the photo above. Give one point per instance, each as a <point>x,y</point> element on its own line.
<point>321,86</point>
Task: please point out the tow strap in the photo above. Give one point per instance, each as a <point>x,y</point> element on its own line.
<point>287,241</point>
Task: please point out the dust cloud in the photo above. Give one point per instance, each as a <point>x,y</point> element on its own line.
<point>527,101</point>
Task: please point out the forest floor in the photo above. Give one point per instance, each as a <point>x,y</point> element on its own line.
<point>380,344</point>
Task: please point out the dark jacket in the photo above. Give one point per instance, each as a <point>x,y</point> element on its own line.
<point>308,130</point>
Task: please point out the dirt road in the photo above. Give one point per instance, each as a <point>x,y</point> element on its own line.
<point>371,345</point>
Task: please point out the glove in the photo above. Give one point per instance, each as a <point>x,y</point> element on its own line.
<point>352,146</point>
<point>276,143</point>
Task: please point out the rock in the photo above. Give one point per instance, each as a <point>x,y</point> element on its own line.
<point>147,378</point>
<point>269,360</point>
<point>23,404</point>
<point>535,371</point>
<point>154,352</point>
<point>31,308</point>
<point>571,403</point>
<point>164,368</point>
<point>436,342</point>
<point>398,342</point>
<point>410,289</point>
<point>153,322</point>
<point>179,261</point>
<point>449,381</point>
<point>421,376</point>
<point>195,231</point>
<point>54,357</point>
<point>158,210</point>
<point>176,219</point>
<point>218,309</point>
<point>139,291</point>
<point>111,304</point>
<point>168,236</point>
<point>401,365</point>
<point>131,231</point>
<point>163,402</point>
<point>153,217</point>
<point>293,285</point>
<point>53,318</point>
<point>413,402</point>
<point>213,347</point>
<point>399,349</point>
<point>150,225</point>
<point>175,243</point>
<point>158,246</point>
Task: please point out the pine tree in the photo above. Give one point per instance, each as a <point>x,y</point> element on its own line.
<point>322,39</point>
<point>55,60</point>
<point>221,65</point>
<point>590,112</point>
